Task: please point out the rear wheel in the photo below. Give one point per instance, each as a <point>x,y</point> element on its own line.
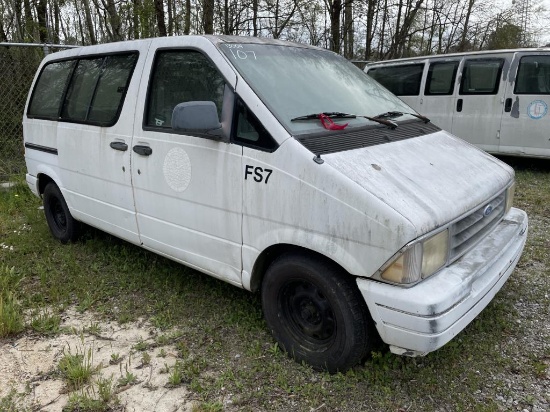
<point>316,313</point>
<point>62,225</point>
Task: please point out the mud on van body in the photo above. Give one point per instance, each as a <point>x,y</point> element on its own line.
<point>273,166</point>
<point>497,100</point>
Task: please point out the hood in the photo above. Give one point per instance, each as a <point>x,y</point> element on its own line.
<point>430,180</point>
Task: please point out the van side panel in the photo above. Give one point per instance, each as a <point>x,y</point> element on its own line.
<point>92,172</point>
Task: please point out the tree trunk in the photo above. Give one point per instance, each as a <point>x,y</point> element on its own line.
<point>255,17</point>
<point>42,17</point>
<point>335,12</point>
<point>348,29</point>
<point>89,22</point>
<point>56,20</point>
<point>226,13</point>
<point>371,4</point>
<point>114,19</point>
<point>208,17</point>
<point>170,6</point>
<point>462,46</point>
<point>28,32</point>
<point>159,12</point>
<point>187,24</point>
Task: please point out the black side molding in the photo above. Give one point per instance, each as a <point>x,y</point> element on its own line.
<point>46,149</point>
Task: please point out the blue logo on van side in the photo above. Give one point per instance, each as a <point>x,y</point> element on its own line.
<point>537,109</point>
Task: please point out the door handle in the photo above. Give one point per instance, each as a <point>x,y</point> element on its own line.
<point>119,146</point>
<point>508,105</point>
<point>142,150</point>
<point>459,105</point>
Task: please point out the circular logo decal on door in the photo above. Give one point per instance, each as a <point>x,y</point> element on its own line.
<point>537,109</point>
<point>177,169</point>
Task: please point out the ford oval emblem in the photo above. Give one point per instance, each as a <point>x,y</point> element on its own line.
<point>488,210</point>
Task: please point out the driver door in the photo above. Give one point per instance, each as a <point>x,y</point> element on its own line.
<point>188,189</point>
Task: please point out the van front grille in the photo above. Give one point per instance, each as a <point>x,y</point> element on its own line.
<point>469,230</point>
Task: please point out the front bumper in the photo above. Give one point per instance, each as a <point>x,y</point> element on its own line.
<point>418,320</point>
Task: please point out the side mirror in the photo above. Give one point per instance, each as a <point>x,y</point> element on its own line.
<point>197,118</point>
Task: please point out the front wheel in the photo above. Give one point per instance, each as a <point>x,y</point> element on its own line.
<point>316,313</point>
<point>62,225</point>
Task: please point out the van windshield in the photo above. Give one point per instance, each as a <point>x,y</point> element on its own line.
<point>298,81</point>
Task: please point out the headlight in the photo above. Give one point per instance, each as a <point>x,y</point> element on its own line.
<point>510,197</point>
<point>419,260</point>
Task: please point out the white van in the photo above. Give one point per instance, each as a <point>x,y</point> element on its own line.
<point>497,100</point>
<point>272,166</point>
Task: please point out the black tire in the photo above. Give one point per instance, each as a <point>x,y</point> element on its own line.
<point>62,225</point>
<point>316,313</point>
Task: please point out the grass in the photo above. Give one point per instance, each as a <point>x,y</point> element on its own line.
<point>225,352</point>
<point>77,368</point>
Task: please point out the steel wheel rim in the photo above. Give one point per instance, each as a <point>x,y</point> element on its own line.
<point>309,313</point>
<point>58,214</point>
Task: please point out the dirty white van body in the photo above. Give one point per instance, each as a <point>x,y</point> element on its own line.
<point>497,100</point>
<point>201,149</point>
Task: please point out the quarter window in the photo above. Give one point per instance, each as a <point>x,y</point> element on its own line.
<point>181,76</point>
<point>402,80</point>
<point>87,90</point>
<point>481,76</point>
<point>441,78</point>
<point>48,92</point>
<point>248,130</point>
<point>533,75</point>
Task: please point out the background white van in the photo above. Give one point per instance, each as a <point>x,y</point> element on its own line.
<point>498,100</point>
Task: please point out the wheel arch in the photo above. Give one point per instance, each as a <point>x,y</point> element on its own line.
<point>268,255</point>
<point>43,180</point>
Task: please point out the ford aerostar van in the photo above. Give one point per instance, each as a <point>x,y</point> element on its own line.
<point>279,168</point>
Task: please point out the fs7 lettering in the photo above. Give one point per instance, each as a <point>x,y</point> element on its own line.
<point>257,173</point>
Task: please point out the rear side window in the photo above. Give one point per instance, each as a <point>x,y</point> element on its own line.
<point>441,78</point>
<point>533,75</point>
<point>50,87</point>
<point>402,80</point>
<point>92,91</point>
<point>481,76</point>
<point>181,76</point>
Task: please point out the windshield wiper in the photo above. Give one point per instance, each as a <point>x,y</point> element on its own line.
<point>392,115</point>
<point>388,115</point>
<point>332,115</point>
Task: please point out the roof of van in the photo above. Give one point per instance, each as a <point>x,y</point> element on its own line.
<point>451,55</point>
<point>215,39</point>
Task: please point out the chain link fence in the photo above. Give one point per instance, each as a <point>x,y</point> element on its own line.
<point>18,64</point>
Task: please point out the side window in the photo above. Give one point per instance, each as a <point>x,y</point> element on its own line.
<point>181,76</point>
<point>95,92</point>
<point>81,90</point>
<point>402,80</point>
<point>48,92</point>
<point>481,76</point>
<point>441,78</point>
<point>248,130</point>
<point>97,89</point>
<point>533,75</point>
<point>111,88</point>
